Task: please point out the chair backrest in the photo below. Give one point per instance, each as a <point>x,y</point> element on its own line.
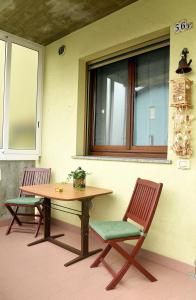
<point>34,176</point>
<point>143,202</point>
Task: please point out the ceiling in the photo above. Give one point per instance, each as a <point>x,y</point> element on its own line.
<point>44,21</point>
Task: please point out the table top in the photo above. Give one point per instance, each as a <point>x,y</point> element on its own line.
<point>69,193</point>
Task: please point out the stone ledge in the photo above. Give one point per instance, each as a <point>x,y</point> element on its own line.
<point>125,159</point>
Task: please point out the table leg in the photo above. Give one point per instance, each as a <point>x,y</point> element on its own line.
<point>84,227</point>
<point>84,252</point>
<point>47,224</point>
<point>47,217</point>
<point>86,204</point>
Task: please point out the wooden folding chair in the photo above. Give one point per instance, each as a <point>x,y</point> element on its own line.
<point>32,176</point>
<point>141,210</point>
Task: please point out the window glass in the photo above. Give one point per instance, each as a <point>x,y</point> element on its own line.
<point>129,115</point>
<point>2,67</point>
<point>111,104</point>
<point>23,95</point>
<point>151,98</point>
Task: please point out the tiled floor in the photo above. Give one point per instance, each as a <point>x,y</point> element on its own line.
<point>38,273</point>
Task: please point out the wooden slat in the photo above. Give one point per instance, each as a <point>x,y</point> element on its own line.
<point>143,202</point>
<point>34,176</point>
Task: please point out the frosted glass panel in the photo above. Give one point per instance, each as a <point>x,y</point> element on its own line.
<point>151,98</point>
<point>2,65</point>
<point>23,94</point>
<point>111,104</point>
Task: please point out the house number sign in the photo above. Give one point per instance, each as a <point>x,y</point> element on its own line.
<point>182,26</point>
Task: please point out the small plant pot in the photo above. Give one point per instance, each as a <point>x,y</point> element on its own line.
<point>79,183</point>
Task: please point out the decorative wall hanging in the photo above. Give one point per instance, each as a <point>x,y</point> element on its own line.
<point>181,95</point>
<point>184,66</point>
<point>182,116</point>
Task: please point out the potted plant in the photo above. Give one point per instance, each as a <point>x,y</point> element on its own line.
<point>79,177</point>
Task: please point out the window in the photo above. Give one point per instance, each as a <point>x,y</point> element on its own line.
<point>20,93</point>
<point>128,106</point>
<point>2,64</point>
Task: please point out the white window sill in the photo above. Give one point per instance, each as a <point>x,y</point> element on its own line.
<point>125,159</point>
<point>19,157</point>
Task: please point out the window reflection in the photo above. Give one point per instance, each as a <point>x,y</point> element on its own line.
<point>111,104</point>
<point>151,98</point>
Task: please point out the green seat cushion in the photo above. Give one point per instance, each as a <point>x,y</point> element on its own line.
<point>24,200</point>
<point>114,229</point>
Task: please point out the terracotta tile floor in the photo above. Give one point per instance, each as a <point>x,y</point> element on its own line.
<point>38,273</point>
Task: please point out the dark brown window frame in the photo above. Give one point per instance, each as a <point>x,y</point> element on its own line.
<point>129,150</point>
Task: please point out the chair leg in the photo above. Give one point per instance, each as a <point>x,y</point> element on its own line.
<point>40,220</point>
<point>14,214</point>
<point>101,256</point>
<point>13,219</point>
<point>130,261</point>
<point>123,271</point>
<point>144,271</point>
<point>118,276</point>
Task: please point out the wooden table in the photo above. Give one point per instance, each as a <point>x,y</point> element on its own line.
<point>48,192</point>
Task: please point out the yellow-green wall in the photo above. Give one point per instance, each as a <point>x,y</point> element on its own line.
<point>173,232</point>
